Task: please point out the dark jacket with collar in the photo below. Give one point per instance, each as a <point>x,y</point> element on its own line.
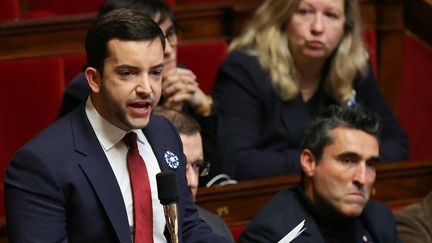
<point>60,187</point>
<point>259,134</point>
<point>287,209</point>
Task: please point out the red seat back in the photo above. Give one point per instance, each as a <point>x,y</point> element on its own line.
<point>73,64</point>
<point>415,99</point>
<point>236,231</point>
<point>61,7</point>
<point>31,93</point>
<point>203,58</point>
<point>9,10</point>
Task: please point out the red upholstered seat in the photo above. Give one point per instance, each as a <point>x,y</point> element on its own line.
<point>73,64</point>
<point>203,58</point>
<point>31,92</point>
<point>45,8</point>
<point>200,1</point>
<point>236,231</point>
<point>415,98</point>
<point>170,3</point>
<point>9,10</point>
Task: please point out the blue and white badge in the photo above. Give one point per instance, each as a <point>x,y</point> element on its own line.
<point>352,99</point>
<point>171,159</point>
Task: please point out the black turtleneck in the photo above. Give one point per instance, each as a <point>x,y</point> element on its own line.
<point>336,230</point>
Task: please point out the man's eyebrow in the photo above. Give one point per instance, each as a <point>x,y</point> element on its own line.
<point>125,66</point>
<point>357,156</point>
<point>158,66</point>
<point>374,159</point>
<point>348,154</point>
<point>199,161</point>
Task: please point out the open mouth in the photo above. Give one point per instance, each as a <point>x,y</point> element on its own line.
<point>141,108</point>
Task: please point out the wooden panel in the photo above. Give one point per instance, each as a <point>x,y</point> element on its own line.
<point>240,202</point>
<point>418,18</point>
<point>390,33</point>
<point>404,182</point>
<point>65,34</point>
<point>397,183</point>
<point>44,37</point>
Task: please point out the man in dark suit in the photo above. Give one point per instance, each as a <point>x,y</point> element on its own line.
<point>339,150</point>
<point>72,182</point>
<point>196,167</point>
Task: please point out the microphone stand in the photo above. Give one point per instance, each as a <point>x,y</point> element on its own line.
<point>170,212</point>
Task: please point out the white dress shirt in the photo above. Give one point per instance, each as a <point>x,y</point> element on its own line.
<point>110,138</point>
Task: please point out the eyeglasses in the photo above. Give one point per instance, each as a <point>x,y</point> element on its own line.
<point>171,37</point>
<point>202,168</point>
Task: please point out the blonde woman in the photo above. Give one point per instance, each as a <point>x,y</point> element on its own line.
<point>294,58</point>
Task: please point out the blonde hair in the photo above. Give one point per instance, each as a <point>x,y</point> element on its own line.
<point>265,36</point>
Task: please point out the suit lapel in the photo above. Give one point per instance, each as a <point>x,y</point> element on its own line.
<point>311,233</point>
<point>161,142</point>
<point>156,137</point>
<point>100,175</point>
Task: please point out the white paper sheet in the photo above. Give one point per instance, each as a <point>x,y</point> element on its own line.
<point>293,233</point>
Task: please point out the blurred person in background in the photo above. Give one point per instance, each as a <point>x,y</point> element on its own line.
<point>196,167</point>
<point>414,222</point>
<point>294,59</point>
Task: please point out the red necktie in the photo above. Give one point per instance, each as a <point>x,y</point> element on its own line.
<point>141,193</point>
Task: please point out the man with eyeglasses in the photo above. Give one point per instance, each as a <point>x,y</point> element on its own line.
<point>190,136</point>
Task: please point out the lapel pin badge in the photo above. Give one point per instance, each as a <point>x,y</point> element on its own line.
<point>171,159</point>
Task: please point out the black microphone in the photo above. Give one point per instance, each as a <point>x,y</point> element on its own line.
<point>168,197</point>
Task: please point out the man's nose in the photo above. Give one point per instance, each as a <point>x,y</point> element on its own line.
<point>192,177</point>
<point>168,48</point>
<point>144,85</point>
<point>360,174</point>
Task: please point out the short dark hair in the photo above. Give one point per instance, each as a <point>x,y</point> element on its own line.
<point>123,24</point>
<point>149,8</point>
<point>319,132</point>
<point>183,123</point>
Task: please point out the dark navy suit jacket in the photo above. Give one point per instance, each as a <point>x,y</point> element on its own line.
<point>287,209</point>
<point>60,187</point>
<point>259,134</point>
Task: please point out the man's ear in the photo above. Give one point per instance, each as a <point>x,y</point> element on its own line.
<point>308,162</point>
<point>93,78</point>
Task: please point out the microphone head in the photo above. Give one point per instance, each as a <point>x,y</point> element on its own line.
<point>167,187</point>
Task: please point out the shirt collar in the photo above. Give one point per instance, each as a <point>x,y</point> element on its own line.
<point>107,134</point>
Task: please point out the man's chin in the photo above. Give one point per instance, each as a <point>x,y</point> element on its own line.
<point>353,211</point>
<point>138,123</point>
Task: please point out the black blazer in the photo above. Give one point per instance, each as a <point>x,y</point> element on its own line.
<point>286,210</point>
<point>259,134</point>
<point>60,187</point>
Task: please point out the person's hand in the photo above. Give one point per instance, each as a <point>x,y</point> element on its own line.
<point>180,85</point>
